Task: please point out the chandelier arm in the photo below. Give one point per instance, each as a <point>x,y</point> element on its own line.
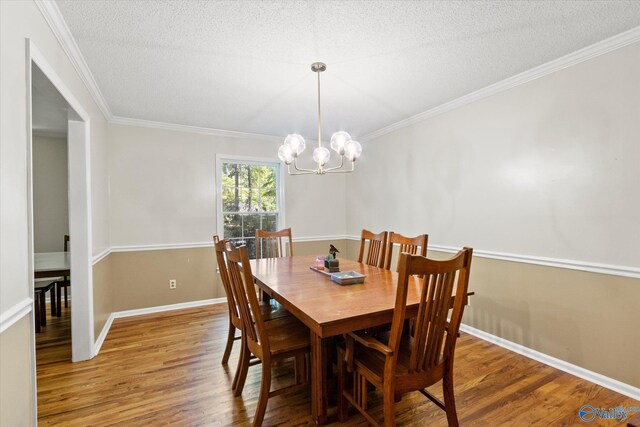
<point>336,167</point>
<point>353,167</point>
<point>295,165</point>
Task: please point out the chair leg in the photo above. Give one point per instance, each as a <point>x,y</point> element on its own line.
<point>242,369</point>
<point>230,337</point>
<point>343,404</point>
<point>265,386</point>
<point>449,399</point>
<point>52,297</point>
<point>389,406</point>
<point>66,297</point>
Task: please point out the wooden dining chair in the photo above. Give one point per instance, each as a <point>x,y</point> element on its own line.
<point>376,249</point>
<point>269,310</point>
<point>272,341</point>
<point>269,244</point>
<point>410,245</point>
<point>399,362</point>
<point>63,284</point>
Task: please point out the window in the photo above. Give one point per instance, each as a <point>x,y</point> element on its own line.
<point>249,199</point>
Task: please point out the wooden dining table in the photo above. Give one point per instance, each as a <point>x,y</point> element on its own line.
<point>329,309</point>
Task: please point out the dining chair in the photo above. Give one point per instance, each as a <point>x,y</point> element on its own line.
<point>269,310</point>
<point>63,283</point>
<point>376,249</point>
<point>398,362</point>
<point>409,245</point>
<point>272,341</point>
<point>40,289</point>
<point>269,243</point>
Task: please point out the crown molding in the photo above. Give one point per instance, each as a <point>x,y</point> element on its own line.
<point>600,48</point>
<point>126,121</point>
<point>52,15</point>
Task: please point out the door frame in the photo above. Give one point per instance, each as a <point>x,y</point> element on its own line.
<point>79,182</point>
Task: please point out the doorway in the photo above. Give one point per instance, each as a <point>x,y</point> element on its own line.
<point>61,111</point>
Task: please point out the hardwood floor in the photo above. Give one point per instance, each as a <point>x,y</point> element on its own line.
<point>165,369</point>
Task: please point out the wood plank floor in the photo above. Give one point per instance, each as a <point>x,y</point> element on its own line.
<point>165,369</point>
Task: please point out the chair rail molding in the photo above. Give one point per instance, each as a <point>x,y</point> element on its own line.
<point>15,313</point>
<point>591,267</point>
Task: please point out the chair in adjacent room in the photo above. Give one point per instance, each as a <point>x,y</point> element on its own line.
<point>273,341</point>
<point>63,284</point>
<point>376,248</point>
<point>269,244</point>
<point>398,362</point>
<point>268,310</point>
<point>40,289</point>
<point>410,245</point>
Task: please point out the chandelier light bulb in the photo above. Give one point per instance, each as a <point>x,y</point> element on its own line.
<point>352,150</point>
<point>339,140</point>
<point>296,142</point>
<point>285,154</point>
<point>321,155</point>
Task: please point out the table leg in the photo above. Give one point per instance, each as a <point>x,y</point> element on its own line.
<point>318,379</point>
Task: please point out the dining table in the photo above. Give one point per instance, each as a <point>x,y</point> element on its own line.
<point>329,309</point>
<point>48,265</point>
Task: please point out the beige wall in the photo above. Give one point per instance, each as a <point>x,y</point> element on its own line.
<point>548,169</point>
<point>16,375</point>
<point>140,279</point>
<point>50,193</point>
<point>588,319</point>
<point>102,294</point>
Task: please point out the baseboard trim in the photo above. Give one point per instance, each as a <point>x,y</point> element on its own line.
<point>103,335</point>
<point>149,310</point>
<point>15,313</point>
<point>585,374</point>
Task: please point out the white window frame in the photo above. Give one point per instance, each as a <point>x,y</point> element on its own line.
<point>270,161</point>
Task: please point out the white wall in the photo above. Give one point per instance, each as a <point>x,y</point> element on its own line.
<point>549,168</point>
<point>163,187</point>
<point>50,193</point>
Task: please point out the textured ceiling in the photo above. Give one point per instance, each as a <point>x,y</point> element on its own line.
<point>244,66</point>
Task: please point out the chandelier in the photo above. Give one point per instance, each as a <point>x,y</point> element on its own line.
<point>341,143</point>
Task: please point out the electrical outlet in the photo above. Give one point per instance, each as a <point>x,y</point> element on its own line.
<point>173,284</point>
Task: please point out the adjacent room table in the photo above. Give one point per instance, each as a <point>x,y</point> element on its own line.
<point>329,309</point>
<point>49,265</point>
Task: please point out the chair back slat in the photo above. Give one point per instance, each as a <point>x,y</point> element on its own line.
<point>411,245</point>
<point>241,279</point>
<point>221,248</point>
<point>437,323</point>
<point>269,244</point>
<point>376,250</point>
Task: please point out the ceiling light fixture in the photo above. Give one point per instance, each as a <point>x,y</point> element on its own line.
<point>341,143</point>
